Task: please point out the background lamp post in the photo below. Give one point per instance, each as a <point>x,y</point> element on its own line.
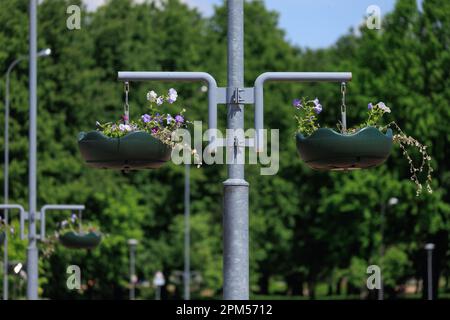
<point>430,247</point>
<point>187,239</point>
<point>42,53</point>
<point>132,243</point>
<point>391,202</point>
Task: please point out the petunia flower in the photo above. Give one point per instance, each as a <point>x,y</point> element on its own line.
<point>179,119</point>
<point>383,107</point>
<point>146,118</point>
<point>151,96</point>
<point>370,106</point>
<point>159,101</point>
<point>124,127</point>
<point>169,118</point>
<point>318,108</point>
<point>173,92</point>
<point>154,130</point>
<point>297,103</point>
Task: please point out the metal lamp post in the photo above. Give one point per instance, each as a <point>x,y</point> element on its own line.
<point>42,53</point>
<point>235,96</point>
<point>132,243</point>
<point>391,202</point>
<point>430,247</point>
<point>187,273</point>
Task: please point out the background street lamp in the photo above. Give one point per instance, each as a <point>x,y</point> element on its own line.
<point>43,53</point>
<point>158,281</point>
<point>430,247</point>
<point>132,243</point>
<point>187,240</point>
<point>391,202</point>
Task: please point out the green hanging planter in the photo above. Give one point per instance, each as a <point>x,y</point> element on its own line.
<point>136,150</point>
<point>75,240</point>
<point>327,149</point>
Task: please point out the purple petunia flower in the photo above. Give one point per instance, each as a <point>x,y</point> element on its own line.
<point>125,118</point>
<point>297,103</point>
<point>173,92</point>
<point>73,217</point>
<point>169,118</point>
<point>154,130</point>
<point>179,119</point>
<point>370,106</point>
<point>173,95</point>
<point>171,99</point>
<point>318,108</point>
<point>159,101</point>
<point>146,118</point>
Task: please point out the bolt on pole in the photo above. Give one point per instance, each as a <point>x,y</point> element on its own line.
<point>236,189</point>
<point>32,252</point>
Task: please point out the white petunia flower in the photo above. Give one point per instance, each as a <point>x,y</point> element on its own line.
<point>151,96</point>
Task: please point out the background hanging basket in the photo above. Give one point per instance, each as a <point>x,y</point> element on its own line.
<point>76,240</point>
<point>327,149</point>
<point>136,150</point>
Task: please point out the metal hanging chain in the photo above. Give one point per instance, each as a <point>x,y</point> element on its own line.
<point>126,107</point>
<point>343,108</point>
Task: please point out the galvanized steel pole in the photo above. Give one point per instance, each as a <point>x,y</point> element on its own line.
<point>132,243</point>
<point>236,189</point>
<point>32,252</point>
<point>187,236</point>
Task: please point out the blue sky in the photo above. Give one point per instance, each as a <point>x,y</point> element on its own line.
<point>308,23</point>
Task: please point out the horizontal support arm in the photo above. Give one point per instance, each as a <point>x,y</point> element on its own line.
<point>287,77</point>
<point>54,207</point>
<point>183,76</point>
<point>22,216</point>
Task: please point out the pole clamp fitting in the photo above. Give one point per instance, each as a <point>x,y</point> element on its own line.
<point>233,95</point>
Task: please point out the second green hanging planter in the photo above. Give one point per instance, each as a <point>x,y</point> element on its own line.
<point>136,150</point>
<point>327,149</point>
<point>77,240</point>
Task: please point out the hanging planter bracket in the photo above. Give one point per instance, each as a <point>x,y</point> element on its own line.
<point>235,95</point>
<point>59,207</point>
<point>23,215</point>
<point>286,77</point>
<point>183,76</point>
